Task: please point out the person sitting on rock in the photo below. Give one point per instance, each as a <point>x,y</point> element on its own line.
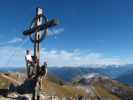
<point>29,62</point>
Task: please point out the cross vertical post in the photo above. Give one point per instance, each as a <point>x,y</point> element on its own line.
<point>38,33</point>
<point>38,22</point>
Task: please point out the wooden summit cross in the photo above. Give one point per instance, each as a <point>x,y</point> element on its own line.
<point>37,32</point>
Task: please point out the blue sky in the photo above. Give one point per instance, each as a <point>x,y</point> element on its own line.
<point>98,29</point>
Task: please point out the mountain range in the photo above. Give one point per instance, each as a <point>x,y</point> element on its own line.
<point>121,73</point>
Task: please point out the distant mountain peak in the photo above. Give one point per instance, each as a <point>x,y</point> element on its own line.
<point>91,75</point>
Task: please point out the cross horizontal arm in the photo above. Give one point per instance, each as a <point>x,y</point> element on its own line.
<point>52,23</point>
<point>49,24</point>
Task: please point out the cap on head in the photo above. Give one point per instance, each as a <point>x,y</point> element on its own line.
<point>27,51</point>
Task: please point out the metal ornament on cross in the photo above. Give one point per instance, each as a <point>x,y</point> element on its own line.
<point>38,30</point>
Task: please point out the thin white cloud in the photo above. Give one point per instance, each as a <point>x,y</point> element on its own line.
<point>12,56</point>
<point>77,58</point>
<point>12,41</point>
<point>15,40</point>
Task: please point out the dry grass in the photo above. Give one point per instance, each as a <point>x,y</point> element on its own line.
<point>62,90</point>
<point>102,92</point>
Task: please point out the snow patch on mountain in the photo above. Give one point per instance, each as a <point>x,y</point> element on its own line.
<point>92,75</point>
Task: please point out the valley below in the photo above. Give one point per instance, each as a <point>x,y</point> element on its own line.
<point>88,87</point>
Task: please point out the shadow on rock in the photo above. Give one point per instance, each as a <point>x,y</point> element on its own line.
<point>4,92</point>
<point>18,98</point>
